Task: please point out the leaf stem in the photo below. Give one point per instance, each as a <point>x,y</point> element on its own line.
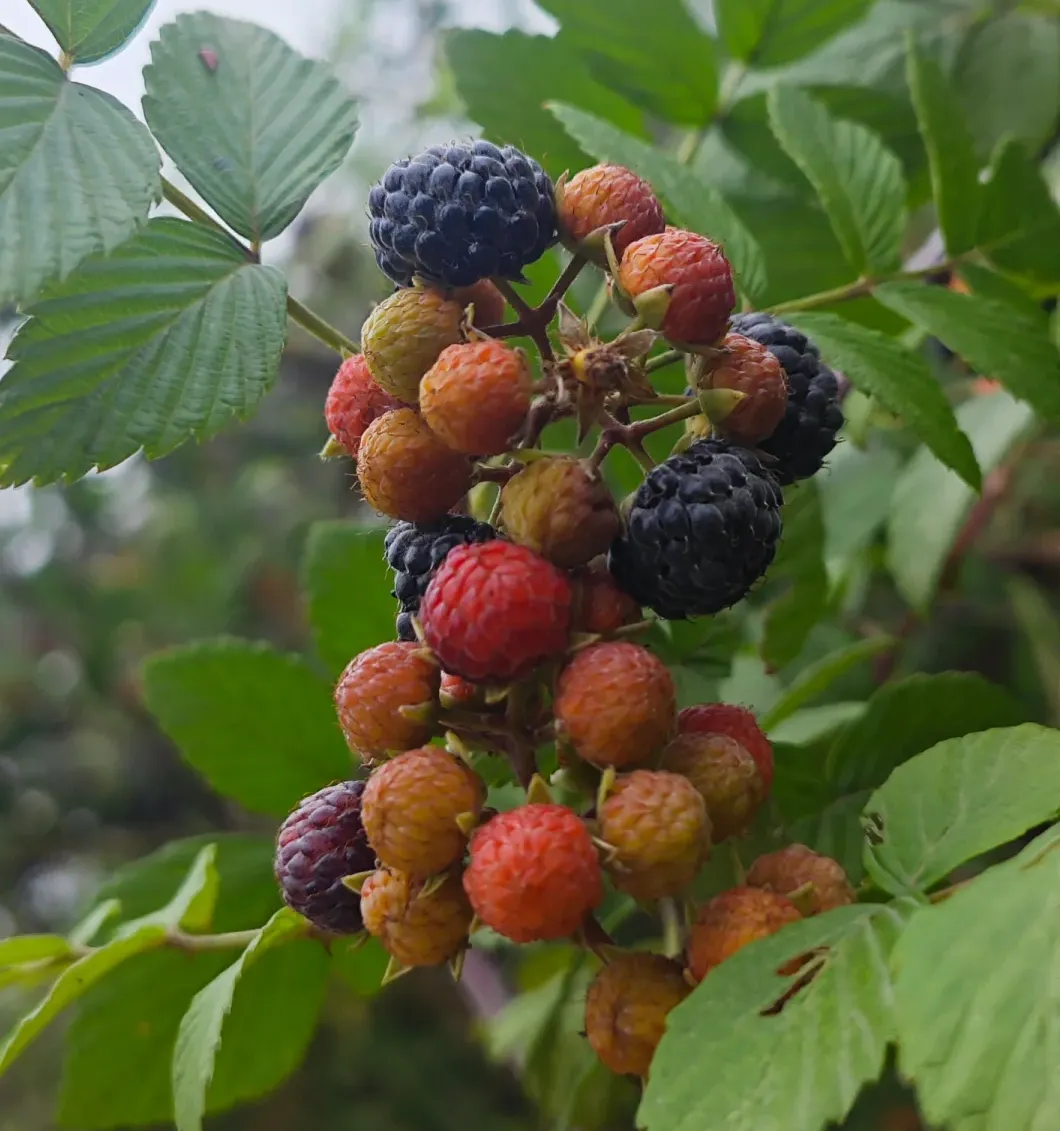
<point>863,287</point>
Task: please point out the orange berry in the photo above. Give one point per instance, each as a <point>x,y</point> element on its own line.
<point>626,1008</point>
<point>417,929</point>
<point>703,296</point>
<point>794,867</point>
<point>410,809</point>
<point>736,722</point>
<point>385,699</point>
<point>750,368</point>
<point>488,302</point>
<point>615,704</point>
<point>476,395</point>
<point>730,921</point>
<point>406,472</point>
<point>608,194</point>
<point>724,773</point>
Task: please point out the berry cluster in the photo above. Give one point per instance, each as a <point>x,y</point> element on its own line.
<point>516,636</point>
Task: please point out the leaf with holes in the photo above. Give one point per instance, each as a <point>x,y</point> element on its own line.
<point>90,30</point>
<point>958,800</point>
<point>343,561</point>
<point>690,199</point>
<point>899,379</point>
<point>951,155</point>
<point>171,336</point>
<point>78,176</point>
<point>858,179</point>
<point>256,130</point>
<point>975,998</point>
<point>257,724</point>
<point>930,503</point>
<point>992,337</point>
<point>754,1050</point>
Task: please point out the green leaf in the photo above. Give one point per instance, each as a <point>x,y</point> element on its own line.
<point>505,81</point>
<point>992,337</point>
<point>257,724</point>
<point>255,131</point>
<point>1007,76</point>
<point>199,1036</point>
<point>858,179</point>
<point>899,379</point>
<point>79,172</point>
<point>691,200</point>
<point>930,503</point>
<point>954,168</point>
<point>72,983</point>
<point>360,965</point>
<point>171,336</point>
<point>975,998</point>
<point>348,588</point>
<point>725,1061</point>
<point>790,618</point>
<point>958,800</point>
<point>1019,229</point>
<point>90,30</point>
<point>248,893</point>
<point>813,724</point>
<point>663,61</point>
<point>907,716</point>
<point>816,678</point>
<point>855,493</point>
<point>767,33</point>
<point>85,930</point>
<point>119,1050</point>
<point>193,903</point>
<point>32,948</point>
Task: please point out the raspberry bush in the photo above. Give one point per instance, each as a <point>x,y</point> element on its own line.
<point>626,472</point>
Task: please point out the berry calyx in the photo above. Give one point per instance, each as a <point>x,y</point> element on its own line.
<point>701,529</point>
<point>495,611</point>
<point>455,214</point>
<point>603,195</point>
<point>738,723</point>
<point>702,295</point>
<point>417,807</point>
<point>321,841</point>
<point>476,396</point>
<point>615,704</point>
<point>730,921</point>
<point>626,1008</point>
<point>821,880</point>
<point>403,336</point>
<point>385,699</point>
<point>418,924</point>
<point>748,368</point>
<point>658,826</point>
<point>533,873</point>
<point>354,400</point>
<point>557,507</point>
<point>406,472</point>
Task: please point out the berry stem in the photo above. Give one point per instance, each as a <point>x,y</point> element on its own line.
<point>689,407</point>
<point>596,938</point>
<point>662,360</point>
<point>534,324</point>
<point>296,311</point>
<point>547,309</point>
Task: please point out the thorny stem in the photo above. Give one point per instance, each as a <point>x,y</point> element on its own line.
<point>296,311</point>
<point>177,939</point>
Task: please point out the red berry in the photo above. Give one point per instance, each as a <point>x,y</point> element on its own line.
<point>795,867</point>
<point>406,472</point>
<point>533,873</point>
<point>454,691</point>
<point>411,809</point>
<point>732,920</point>
<point>657,824</point>
<point>494,611</point>
<point>385,700</point>
<point>354,401</point>
<point>738,723</point>
<point>615,704</point>
<point>703,296</point>
<point>607,194</point>
<point>418,927</point>
<point>476,395</point>
<point>626,1008</point>
<point>599,605</point>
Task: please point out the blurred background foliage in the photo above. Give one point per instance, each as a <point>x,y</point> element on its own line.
<point>96,576</point>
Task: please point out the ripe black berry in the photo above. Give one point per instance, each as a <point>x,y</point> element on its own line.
<point>319,843</point>
<point>455,214</point>
<point>807,432</point>
<point>702,529</point>
<point>415,550</point>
